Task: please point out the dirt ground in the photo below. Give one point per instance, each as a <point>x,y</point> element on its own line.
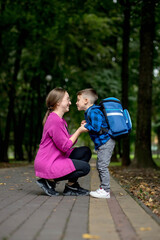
<point>143,184</point>
<point>15,164</point>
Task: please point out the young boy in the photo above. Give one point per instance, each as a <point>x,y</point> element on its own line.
<point>95,122</point>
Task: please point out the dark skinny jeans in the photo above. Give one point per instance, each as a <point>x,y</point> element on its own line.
<point>80,157</point>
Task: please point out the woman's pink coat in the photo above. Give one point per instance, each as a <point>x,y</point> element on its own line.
<point>52,159</point>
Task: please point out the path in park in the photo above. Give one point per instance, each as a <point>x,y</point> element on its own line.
<point>27,213</point>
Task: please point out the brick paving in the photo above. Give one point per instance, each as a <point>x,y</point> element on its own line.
<point>27,213</point>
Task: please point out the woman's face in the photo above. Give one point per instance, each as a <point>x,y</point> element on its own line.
<point>65,103</point>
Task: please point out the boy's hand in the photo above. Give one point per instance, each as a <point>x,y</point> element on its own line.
<point>83,122</point>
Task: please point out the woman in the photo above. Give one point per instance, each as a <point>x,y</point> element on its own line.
<point>56,159</point>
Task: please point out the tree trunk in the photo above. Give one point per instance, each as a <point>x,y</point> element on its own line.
<point>125,77</point>
<point>158,144</point>
<point>19,127</point>
<point>31,126</point>
<point>143,155</point>
<point>1,147</point>
<point>114,155</point>
<point>11,101</point>
<point>39,127</point>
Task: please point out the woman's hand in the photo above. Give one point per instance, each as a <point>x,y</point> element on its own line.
<point>82,128</point>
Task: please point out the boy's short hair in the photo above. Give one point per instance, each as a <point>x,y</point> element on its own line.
<point>89,93</point>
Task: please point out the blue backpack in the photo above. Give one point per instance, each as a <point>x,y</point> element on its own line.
<point>118,119</point>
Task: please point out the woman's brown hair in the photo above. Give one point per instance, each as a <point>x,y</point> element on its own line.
<point>52,99</point>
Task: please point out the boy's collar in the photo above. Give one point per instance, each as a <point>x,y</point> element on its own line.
<point>90,107</point>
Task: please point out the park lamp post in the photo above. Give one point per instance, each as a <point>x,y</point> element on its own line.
<point>48,79</point>
<point>48,82</point>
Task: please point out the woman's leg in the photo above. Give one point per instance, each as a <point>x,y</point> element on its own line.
<point>81,153</point>
<point>73,187</point>
<point>80,157</point>
<point>82,169</point>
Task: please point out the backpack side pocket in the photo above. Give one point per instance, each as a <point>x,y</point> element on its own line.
<point>128,120</point>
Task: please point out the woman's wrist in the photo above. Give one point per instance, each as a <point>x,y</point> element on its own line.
<point>79,130</point>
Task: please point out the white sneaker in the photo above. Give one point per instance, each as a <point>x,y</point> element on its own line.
<point>100,193</point>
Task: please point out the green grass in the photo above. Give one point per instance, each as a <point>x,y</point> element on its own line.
<point>115,164</point>
<point>157,161</point>
<point>94,156</point>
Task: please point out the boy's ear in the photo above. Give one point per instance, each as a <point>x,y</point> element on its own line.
<point>86,100</point>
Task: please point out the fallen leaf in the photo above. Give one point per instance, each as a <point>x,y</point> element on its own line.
<point>150,200</point>
<point>149,204</point>
<point>145,229</point>
<point>121,194</point>
<point>2,183</point>
<point>89,236</point>
<point>155,211</point>
<point>153,193</point>
<point>139,178</point>
<point>141,186</point>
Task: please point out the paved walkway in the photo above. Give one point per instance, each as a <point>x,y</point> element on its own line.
<point>27,213</point>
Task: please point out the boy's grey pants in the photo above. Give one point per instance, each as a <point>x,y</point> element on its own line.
<point>104,155</point>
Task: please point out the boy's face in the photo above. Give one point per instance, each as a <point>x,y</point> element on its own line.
<point>81,103</point>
